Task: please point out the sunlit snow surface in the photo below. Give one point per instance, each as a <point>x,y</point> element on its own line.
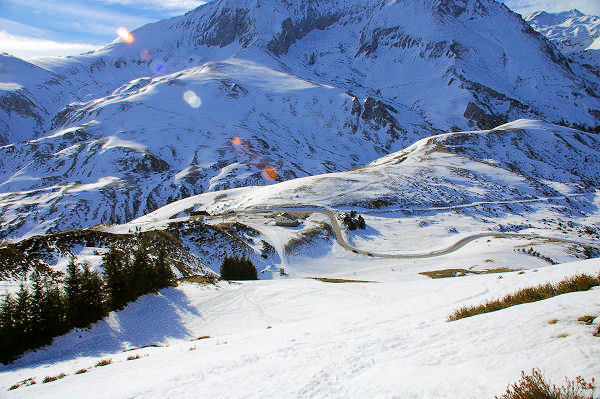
<point>305,338</point>
<point>164,117</point>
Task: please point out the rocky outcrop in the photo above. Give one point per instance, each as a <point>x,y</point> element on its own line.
<point>224,27</point>
<point>483,120</point>
<point>292,31</point>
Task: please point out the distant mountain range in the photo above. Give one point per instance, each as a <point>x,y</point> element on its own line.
<point>577,35</point>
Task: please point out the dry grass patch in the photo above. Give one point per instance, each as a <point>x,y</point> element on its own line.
<point>48,379</point>
<point>199,279</point>
<point>304,238</point>
<point>339,280</point>
<point>103,362</point>
<point>446,273</point>
<point>27,382</point>
<point>553,321</point>
<point>563,335</point>
<point>133,357</point>
<point>81,371</point>
<point>587,319</point>
<point>535,386</point>
<point>579,282</point>
<point>202,337</point>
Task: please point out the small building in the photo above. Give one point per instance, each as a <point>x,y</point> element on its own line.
<point>286,220</point>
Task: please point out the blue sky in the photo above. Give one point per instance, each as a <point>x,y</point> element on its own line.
<point>35,28</point>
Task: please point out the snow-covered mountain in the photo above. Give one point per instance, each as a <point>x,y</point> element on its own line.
<point>239,93</point>
<point>577,35</point>
<point>520,161</point>
<point>525,177</point>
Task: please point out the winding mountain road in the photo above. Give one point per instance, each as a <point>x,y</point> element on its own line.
<point>341,239</point>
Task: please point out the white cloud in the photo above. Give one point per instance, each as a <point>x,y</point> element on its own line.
<point>526,7</point>
<point>176,6</point>
<point>26,47</point>
<point>104,21</point>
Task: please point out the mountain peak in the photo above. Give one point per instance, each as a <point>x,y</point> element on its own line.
<point>548,18</point>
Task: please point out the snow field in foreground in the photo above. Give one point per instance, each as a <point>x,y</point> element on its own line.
<point>387,339</point>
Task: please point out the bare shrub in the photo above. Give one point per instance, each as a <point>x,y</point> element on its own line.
<point>535,386</point>
<point>579,282</point>
<point>103,362</point>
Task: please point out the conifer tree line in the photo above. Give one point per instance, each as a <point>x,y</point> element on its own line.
<point>234,268</point>
<point>34,316</point>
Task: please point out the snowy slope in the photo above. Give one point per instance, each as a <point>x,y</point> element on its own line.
<point>308,88</point>
<point>526,177</point>
<point>523,160</point>
<point>305,338</point>
<point>574,33</point>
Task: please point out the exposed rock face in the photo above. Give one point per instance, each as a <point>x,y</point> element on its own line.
<point>292,32</point>
<point>483,120</point>
<point>224,28</point>
<point>18,105</point>
<point>381,114</point>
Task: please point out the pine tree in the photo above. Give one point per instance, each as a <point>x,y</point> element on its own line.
<point>164,276</point>
<point>22,319</point>
<point>250,270</point>
<point>115,279</point>
<point>227,269</point>
<point>73,291</point>
<point>238,269</point>
<point>141,272</point>
<point>92,295</point>
<point>54,312</point>
<point>8,332</point>
<point>360,221</point>
<point>37,302</point>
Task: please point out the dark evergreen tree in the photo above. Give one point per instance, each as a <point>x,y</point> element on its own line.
<point>8,332</point>
<point>238,269</point>
<point>74,296</point>
<point>251,272</point>
<point>116,279</point>
<point>141,272</point>
<point>37,302</point>
<point>54,312</point>
<point>350,222</point>
<point>22,318</point>
<point>163,274</point>
<point>360,221</point>
<point>92,295</point>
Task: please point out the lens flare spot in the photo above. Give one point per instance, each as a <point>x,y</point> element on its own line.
<point>236,141</point>
<point>192,99</point>
<point>146,55</point>
<point>269,172</point>
<point>125,35</point>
